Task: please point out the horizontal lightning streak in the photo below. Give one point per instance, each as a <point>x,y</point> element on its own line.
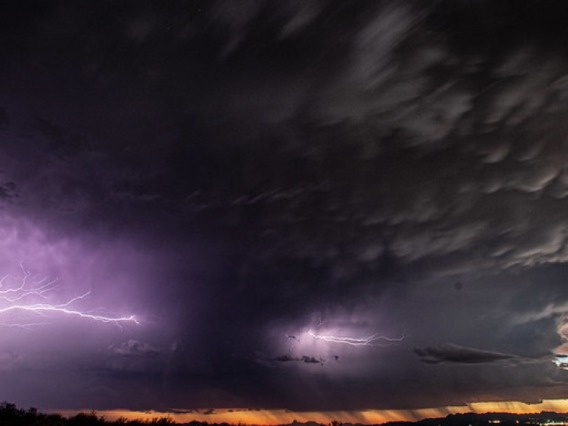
<point>41,308</point>
<point>23,296</point>
<point>373,340</point>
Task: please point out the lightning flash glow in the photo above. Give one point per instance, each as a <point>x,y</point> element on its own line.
<point>23,294</point>
<point>373,340</point>
<point>561,361</point>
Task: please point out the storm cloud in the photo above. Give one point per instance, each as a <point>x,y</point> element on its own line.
<point>235,174</point>
<point>458,354</point>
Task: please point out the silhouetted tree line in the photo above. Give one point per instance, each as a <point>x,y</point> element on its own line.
<point>10,415</point>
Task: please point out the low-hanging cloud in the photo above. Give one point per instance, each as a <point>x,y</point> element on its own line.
<point>451,353</point>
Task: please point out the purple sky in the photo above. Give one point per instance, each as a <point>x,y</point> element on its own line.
<point>261,183</point>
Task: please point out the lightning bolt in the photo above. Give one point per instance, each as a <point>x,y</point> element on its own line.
<point>373,340</point>
<point>21,294</point>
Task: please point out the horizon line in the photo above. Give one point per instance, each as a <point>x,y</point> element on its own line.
<point>282,416</point>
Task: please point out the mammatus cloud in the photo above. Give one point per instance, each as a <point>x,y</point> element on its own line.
<point>476,129</point>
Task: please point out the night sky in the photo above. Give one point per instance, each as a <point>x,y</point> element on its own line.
<point>315,206</point>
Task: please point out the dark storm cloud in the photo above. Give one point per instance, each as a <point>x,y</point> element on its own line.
<point>8,191</point>
<point>134,348</point>
<point>292,166</point>
<point>304,358</point>
<point>386,80</point>
<point>135,357</point>
<point>458,354</point>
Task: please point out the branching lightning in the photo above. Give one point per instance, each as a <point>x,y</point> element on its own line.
<point>22,294</point>
<point>373,340</point>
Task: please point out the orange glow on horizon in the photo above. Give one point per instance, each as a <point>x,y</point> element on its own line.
<point>281,416</point>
